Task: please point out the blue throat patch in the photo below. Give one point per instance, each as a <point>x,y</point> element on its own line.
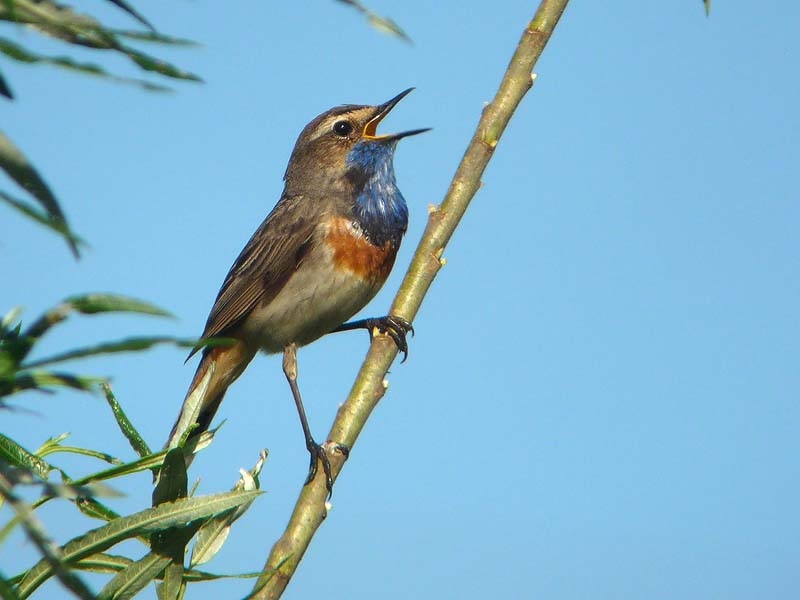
<point>380,210</point>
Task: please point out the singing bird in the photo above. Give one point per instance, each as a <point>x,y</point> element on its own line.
<point>318,258</point>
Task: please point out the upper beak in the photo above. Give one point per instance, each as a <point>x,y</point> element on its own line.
<point>370,129</point>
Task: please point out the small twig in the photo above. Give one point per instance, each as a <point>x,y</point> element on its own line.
<point>369,386</point>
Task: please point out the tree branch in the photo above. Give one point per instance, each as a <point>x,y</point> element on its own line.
<point>369,386</point>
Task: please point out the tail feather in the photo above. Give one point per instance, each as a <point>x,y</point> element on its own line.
<point>217,370</point>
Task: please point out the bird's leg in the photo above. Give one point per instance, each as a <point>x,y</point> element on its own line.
<point>316,450</point>
<point>395,327</point>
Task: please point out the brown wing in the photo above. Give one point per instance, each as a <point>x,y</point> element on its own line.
<point>265,264</point>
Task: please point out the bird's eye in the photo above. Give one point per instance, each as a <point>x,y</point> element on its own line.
<point>342,128</point>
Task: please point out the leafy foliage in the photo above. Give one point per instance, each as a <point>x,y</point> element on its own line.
<point>67,25</point>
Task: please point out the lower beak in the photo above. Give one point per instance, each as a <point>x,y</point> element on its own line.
<point>370,130</point>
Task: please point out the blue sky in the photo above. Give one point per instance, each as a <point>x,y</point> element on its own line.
<point>602,396</point>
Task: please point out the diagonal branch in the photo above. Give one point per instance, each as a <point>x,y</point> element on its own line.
<point>369,387</point>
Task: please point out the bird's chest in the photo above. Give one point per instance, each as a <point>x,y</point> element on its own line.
<point>352,253</point>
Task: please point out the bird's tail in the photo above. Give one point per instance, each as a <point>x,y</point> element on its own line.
<point>217,370</point>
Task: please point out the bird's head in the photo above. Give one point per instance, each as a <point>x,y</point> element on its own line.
<point>342,144</point>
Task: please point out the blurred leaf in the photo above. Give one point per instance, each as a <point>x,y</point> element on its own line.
<point>134,578</point>
<point>6,591</point>
<point>5,90</point>
<point>18,53</point>
<point>128,430</point>
<point>133,12</point>
<point>14,163</point>
<point>155,37</point>
<point>63,23</point>
<point>126,345</point>
<point>43,219</point>
<point>382,24</point>
<point>90,304</point>
<point>15,455</point>
<point>181,512</point>
<point>41,380</point>
<point>53,559</point>
<point>707,5</point>
<point>214,532</point>
<point>66,490</point>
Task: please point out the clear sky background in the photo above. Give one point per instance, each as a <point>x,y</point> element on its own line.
<point>602,396</point>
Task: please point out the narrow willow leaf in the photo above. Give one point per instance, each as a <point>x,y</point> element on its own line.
<point>214,532</point>
<point>143,464</point>
<point>14,454</point>
<point>132,12</point>
<point>16,165</point>
<point>134,578</point>
<point>128,430</point>
<point>171,514</point>
<point>5,89</point>
<point>150,63</point>
<point>173,480</point>
<point>24,55</point>
<point>41,380</point>
<point>382,24</point>
<point>94,509</point>
<point>112,460</point>
<point>155,37</point>
<point>90,304</point>
<point>43,218</point>
<point>103,563</point>
<point>126,345</point>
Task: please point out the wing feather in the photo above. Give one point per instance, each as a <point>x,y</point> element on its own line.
<point>273,253</point>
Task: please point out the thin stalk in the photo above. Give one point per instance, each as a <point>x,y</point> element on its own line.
<point>369,387</point>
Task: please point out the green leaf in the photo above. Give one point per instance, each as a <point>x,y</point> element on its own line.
<point>41,380</point>
<point>17,167</point>
<point>133,12</point>
<point>125,345</point>
<point>134,578</point>
<point>94,509</point>
<point>154,37</point>
<point>103,563</point>
<point>6,591</point>
<point>85,452</point>
<point>42,218</point>
<point>214,532</point>
<point>22,54</point>
<point>143,464</point>
<point>5,90</point>
<point>128,430</point>
<point>14,454</point>
<point>90,304</point>
<point>382,24</point>
<point>172,480</point>
<point>150,63</point>
<point>173,514</point>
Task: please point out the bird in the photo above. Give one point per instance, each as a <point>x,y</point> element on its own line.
<point>318,258</point>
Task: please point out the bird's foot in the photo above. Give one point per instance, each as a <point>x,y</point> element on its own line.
<point>395,327</point>
<point>320,455</point>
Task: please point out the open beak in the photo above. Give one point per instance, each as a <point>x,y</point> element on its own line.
<point>370,129</point>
